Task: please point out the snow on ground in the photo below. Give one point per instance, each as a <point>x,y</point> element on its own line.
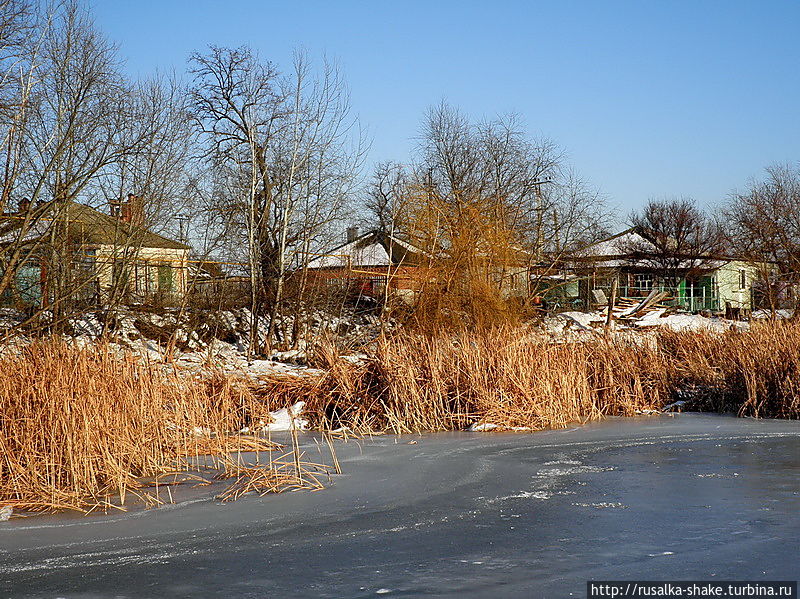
<point>482,427</point>
<point>284,419</point>
<point>583,322</point>
<point>218,341</point>
<point>583,319</point>
<point>287,418</point>
<point>779,314</point>
<point>696,322</point>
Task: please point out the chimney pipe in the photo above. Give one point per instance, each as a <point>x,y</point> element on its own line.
<point>135,210</point>
<point>129,210</point>
<point>125,215</point>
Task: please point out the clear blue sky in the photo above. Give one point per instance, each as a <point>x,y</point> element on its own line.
<point>648,98</point>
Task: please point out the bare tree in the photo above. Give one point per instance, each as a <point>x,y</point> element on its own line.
<point>67,129</point>
<point>765,228</point>
<point>284,143</point>
<point>677,239</point>
<point>385,196</point>
<point>479,205</point>
<point>158,162</point>
<point>78,131</point>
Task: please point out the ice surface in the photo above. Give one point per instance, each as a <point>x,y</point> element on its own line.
<point>684,496</point>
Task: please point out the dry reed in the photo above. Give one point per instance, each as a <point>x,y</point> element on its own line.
<point>753,373</point>
<point>416,383</point>
<point>81,428</point>
<point>516,378</point>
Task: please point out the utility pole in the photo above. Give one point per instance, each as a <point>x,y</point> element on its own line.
<point>537,185</point>
<point>183,220</point>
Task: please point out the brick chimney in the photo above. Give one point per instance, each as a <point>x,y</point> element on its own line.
<point>352,234</point>
<point>132,210</point>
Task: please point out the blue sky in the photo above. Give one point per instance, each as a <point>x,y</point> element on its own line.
<point>649,99</point>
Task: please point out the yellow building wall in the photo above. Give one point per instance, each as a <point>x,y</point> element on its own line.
<point>141,266</point>
<point>729,284</point>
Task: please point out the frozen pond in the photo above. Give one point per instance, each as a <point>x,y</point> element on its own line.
<point>692,497</point>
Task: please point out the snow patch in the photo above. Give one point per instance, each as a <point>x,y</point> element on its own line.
<point>672,407</point>
<point>287,418</point>
<point>543,495</point>
<point>482,427</point>
<point>573,470</point>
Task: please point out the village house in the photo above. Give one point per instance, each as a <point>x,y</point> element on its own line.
<point>365,264</point>
<point>711,283</point>
<point>106,257</point>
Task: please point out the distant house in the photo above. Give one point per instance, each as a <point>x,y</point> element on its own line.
<point>713,283</point>
<point>106,256</point>
<point>366,264</point>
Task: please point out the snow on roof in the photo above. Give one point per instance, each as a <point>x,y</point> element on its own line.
<point>620,250</point>
<point>618,245</point>
<point>354,254</point>
<point>367,250</point>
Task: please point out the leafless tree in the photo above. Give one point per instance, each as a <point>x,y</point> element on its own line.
<point>385,195</point>
<point>284,144</point>
<point>17,23</point>
<point>575,214</point>
<point>764,224</point>
<point>78,131</point>
<point>495,203</point>
<point>678,240</point>
<point>158,162</point>
<point>66,130</point>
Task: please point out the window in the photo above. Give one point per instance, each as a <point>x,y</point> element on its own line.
<point>643,282</point>
<point>742,279</point>
<point>29,283</point>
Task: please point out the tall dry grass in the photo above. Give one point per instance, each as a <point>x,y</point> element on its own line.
<point>753,373</point>
<point>514,377</point>
<point>82,427</point>
<point>507,376</point>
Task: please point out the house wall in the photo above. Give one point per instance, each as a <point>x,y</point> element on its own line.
<point>148,270</point>
<point>512,280</point>
<point>403,278</point>
<point>729,284</point>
